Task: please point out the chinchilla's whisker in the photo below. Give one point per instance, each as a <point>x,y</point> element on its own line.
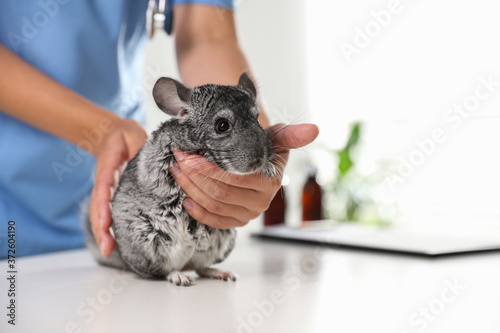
<point>206,177</point>
<point>279,149</point>
<point>285,129</point>
<point>126,171</point>
<point>210,177</point>
<point>291,122</point>
<point>198,165</point>
<point>274,133</point>
<point>280,162</point>
<point>278,157</point>
<point>221,176</point>
<point>297,119</point>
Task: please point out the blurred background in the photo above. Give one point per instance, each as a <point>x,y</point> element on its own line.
<point>414,85</point>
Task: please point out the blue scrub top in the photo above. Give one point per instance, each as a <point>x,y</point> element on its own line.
<point>95,48</point>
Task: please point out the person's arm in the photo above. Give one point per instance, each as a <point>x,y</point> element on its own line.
<point>207,47</point>
<point>34,98</point>
<point>208,52</point>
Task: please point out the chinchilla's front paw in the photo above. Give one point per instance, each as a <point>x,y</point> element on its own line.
<point>179,279</point>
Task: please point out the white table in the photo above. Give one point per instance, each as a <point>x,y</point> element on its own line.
<point>284,287</point>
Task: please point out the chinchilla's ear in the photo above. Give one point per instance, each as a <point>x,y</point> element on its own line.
<point>246,83</point>
<point>171,96</point>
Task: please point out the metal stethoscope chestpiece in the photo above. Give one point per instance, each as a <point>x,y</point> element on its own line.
<point>155,16</point>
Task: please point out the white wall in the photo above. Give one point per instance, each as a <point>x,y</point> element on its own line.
<point>402,81</point>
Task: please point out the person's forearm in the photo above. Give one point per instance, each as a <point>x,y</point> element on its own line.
<point>209,52</point>
<point>216,62</point>
<point>32,97</point>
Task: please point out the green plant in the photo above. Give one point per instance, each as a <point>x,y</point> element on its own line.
<point>351,193</point>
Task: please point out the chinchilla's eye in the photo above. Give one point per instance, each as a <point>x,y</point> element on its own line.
<point>222,125</point>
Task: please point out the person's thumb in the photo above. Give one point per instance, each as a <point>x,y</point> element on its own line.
<point>293,136</point>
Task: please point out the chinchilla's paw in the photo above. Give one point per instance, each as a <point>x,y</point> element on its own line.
<point>179,279</point>
<point>213,273</point>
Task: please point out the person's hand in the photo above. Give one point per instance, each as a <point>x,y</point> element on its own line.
<point>112,155</point>
<point>223,200</point>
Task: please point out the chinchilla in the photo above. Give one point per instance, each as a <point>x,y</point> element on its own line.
<point>155,236</point>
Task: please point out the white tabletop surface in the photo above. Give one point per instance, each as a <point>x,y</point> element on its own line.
<point>284,287</point>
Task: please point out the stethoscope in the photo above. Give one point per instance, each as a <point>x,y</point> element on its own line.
<point>155,16</point>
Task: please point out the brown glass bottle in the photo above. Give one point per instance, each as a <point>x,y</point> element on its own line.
<point>275,214</point>
<point>312,195</point>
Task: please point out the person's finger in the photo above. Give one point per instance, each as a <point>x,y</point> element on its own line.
<point>293,136</point>
<point>213,182</point>
<point>207,201</point>
<point>107,242</point>
<point>94,217</point>
<point>101,223</point>
<point>198,168</point>
<point>106,180</point>
<point>203,216</point>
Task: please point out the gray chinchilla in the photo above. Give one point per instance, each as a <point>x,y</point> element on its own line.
<point>155,236</point>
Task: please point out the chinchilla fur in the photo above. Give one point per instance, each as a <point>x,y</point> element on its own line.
<point>155,236</point>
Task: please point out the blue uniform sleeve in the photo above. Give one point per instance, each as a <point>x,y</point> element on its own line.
<point>229,4</point>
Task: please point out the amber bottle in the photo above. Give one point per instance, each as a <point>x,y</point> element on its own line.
<point>312,195</point>
<point>275,214</point>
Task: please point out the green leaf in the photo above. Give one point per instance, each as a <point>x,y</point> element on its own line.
<point>345,159</point>
<point>353,137</point>
<point>345,162</point>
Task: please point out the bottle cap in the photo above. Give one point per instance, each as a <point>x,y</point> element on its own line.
<point>311,171</point>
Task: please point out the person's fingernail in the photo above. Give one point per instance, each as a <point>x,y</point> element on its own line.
<point>175,170</point>
<point>187,204</point>
<point>122,168</point>
<point>180,155</point>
